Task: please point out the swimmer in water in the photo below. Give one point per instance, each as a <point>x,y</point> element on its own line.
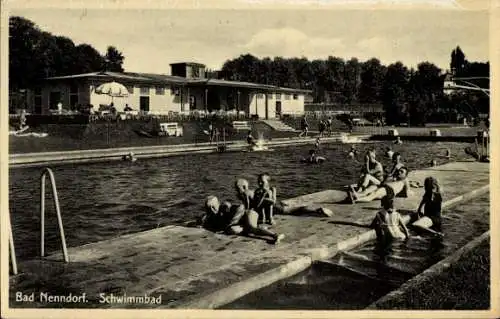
<point>317,143</point>
<point>313,158</point>
<point>389,152</point>
<point>398,141</point>
<point>130,157</point>
<point>388,223</point>
<point>250,139</point>
<point>430,205</point>
<point>353,152</point>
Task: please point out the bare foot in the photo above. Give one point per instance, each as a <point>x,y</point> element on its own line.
<point>271,222</point>
<point>325,211</point>
<point>279,238</point>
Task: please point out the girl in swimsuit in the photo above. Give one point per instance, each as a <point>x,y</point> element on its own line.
<point>397,165</point>
<point>431,202</point>
<point>398,187</point>
<point>388,223</point>
<point>373,172</point>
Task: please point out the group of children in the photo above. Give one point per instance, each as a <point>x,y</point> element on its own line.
<point>256,206</point>
<point>324,126</point>
<point>245,218</point>
<point>389,224</point>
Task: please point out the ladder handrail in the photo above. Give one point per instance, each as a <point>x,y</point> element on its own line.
<point>58,212</point>
<point>12,249</point>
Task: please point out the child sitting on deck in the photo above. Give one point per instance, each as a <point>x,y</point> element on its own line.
<point>431,202</point>
<point>373,172</point>
<point>397,164</point>
<point>234,220</point>
<point>264,199</point>
<point>244,193</point>
<point>388,223</point>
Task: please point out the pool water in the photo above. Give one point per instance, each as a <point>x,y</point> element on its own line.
<point>355,279</point>
<point>105,200</point>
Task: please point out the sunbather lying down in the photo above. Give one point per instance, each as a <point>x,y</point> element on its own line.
<point>394,188</point>
<point>279,208</point>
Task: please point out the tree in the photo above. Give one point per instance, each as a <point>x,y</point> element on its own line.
<point>34,55</point>
<point>352,80</point>
<point>113,59</point>
<point>372,77</point>
<point>425,92</point>
<point>394,93</point>
<point>457,60</point>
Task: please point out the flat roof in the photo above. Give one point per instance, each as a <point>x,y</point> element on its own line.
<point>188,63</point>
<point>153,78</point>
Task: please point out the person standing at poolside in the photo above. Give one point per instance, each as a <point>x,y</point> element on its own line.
<point>321,127</point>
<point>329,125</point>
<point>211,132</point>
<point>22,120</point>
<point>304,127</point>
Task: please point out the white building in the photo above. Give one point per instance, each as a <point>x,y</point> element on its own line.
<point>187,89</point>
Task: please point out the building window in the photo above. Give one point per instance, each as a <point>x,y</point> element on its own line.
<point>144,90</point>
<point>38,100</point>
<point>175,91</point>
<point>73,95</point>
<point>130,89</point>
<point>278,96</point>
<point>160,90</point>
<point>295,96</point>
<point>287,96</point>
<point>260,96</point>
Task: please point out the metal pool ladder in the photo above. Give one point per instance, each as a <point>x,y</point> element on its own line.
<point>58,212</point>
<point>12,250</point>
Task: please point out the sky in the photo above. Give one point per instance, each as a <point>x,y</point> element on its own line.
<point>152,39</point>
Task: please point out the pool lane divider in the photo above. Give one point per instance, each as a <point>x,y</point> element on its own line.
<point>305,260</point>
<point>116,154</point>
<point>431,272</point>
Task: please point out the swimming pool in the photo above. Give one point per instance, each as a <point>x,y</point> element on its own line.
<point>105,200</point>
<point>355,279</point>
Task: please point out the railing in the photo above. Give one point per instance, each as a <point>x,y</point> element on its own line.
<point>58,212</point>
<point>12,250</point>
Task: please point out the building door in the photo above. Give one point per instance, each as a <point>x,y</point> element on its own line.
<point>54,99</point>
<point>267,107</point>
<point>278,109</point>
<point>144,103</point>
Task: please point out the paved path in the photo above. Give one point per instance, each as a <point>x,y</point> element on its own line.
<point>109,154</point>
<point>194,268</point>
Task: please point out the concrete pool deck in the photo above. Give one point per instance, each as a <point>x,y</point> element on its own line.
<point>113,154</point>
<point>194,268</point>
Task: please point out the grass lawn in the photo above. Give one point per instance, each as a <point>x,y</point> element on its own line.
<point>463,286</point>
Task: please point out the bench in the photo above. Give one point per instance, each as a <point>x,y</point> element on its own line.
<point>435,132</point>
<point>241,126</point>
<point>170,129</point>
